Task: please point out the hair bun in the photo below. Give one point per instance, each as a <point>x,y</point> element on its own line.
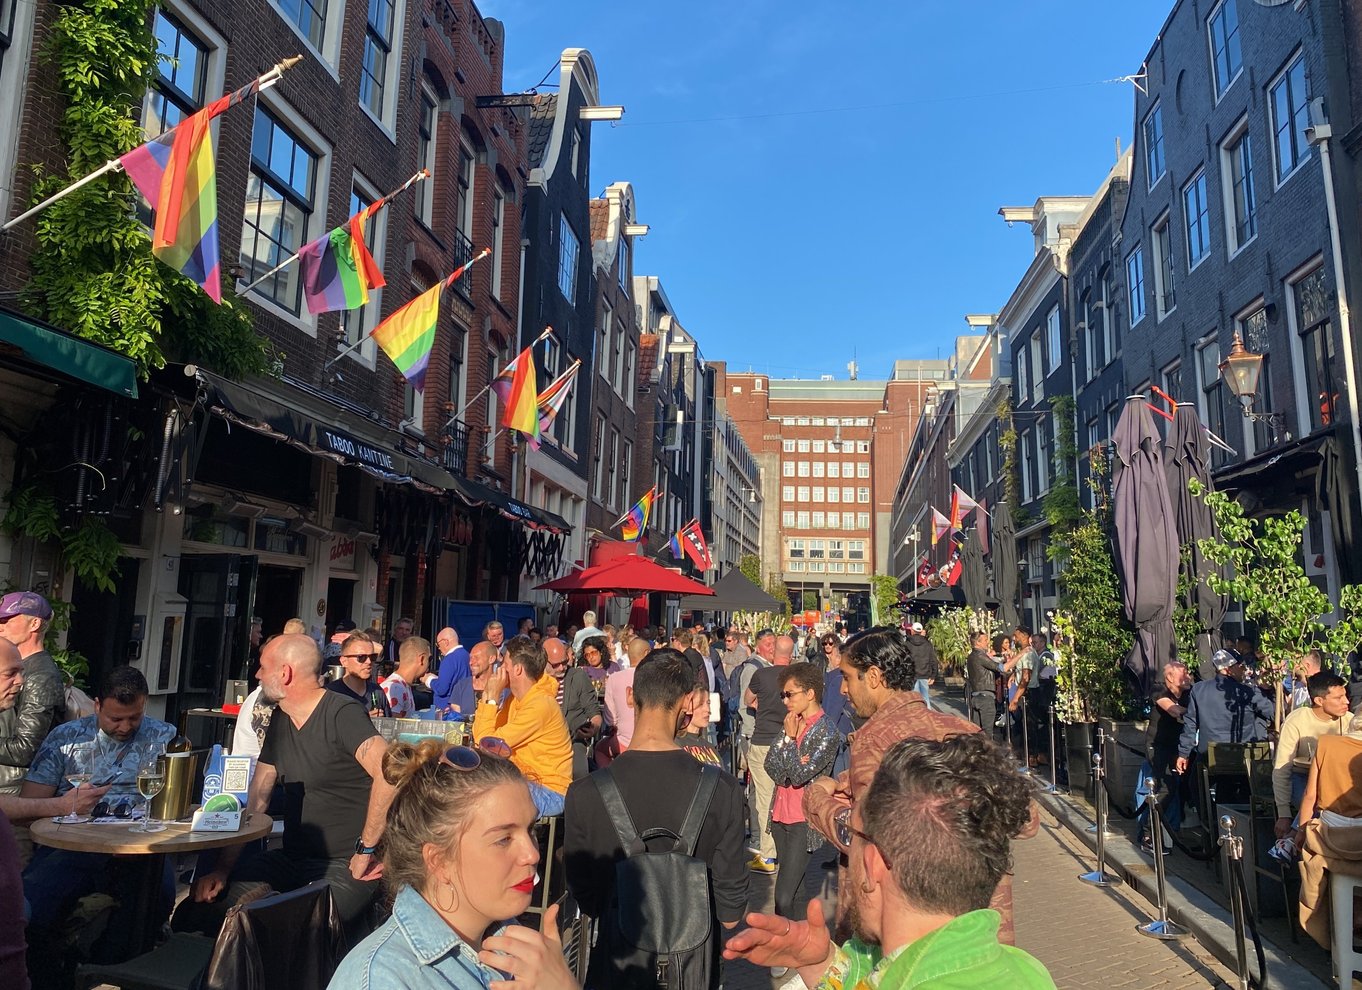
<point>404,761</point>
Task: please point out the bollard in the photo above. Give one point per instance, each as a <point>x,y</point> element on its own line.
<point>1161,928</point>
<point>1234,849</point>
<point>1025,767</point>
<point>1100,877</point>
<point>1099,791</point>
<point>1053,786</point>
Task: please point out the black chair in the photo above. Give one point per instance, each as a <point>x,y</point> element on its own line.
<point>1222,777</point>
<point>1262,819</point>
<point>289,941</point>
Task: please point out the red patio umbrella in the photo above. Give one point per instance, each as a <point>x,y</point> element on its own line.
<point>630,574</point>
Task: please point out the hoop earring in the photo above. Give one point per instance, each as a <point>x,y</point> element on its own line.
<point>454,900</point>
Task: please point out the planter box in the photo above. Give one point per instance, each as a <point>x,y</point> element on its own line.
<point>1123,754</point>
<point>1080,739</point>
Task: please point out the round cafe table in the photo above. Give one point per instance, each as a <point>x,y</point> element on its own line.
<point>119,840</point>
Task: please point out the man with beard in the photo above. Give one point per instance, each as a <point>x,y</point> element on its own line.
<point>918,920</point>
<point>878,676</point>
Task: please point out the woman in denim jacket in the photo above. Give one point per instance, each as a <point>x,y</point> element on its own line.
<point>459,854</point>
<point>806,750</point>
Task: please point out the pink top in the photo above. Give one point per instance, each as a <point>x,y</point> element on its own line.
<point>618,711</point>
<point>788,807</point>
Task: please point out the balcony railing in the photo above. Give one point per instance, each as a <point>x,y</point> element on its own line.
<point>463,253</point>
<point>455,456</point>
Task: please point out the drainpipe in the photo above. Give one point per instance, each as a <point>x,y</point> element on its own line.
<point>1318,134</point>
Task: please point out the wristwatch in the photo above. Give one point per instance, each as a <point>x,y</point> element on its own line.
<point>362,850</point>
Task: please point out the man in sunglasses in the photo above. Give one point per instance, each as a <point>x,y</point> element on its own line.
<point>359,656</point>
<point>912,926</point>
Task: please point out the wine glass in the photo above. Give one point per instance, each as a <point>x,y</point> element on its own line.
<point>78,770</point>
<point>151,778</point>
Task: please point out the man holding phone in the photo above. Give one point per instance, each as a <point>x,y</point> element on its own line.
<point>576,700</point>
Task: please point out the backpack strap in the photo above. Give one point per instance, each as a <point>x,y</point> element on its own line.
<point>699,807</point>
<point>617,812</point>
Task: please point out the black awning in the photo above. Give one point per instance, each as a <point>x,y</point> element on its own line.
<point>1297,455</point>
<point>518,511</point>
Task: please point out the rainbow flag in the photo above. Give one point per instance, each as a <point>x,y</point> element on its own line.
<point>338,270</point>
<point>553,398</point>
<point>175,172</point>
<point>518,391</point>
<point>408,335</point>
<point>634,522</point>
<point>674,544</point>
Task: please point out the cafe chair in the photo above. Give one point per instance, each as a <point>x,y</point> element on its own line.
<point>575,929</point>
<point>1262,818</point>
<point>289,941</point>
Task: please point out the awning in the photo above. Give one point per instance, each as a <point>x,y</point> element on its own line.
<point>23,339</point>
<point>1282,461</point>
<point>291,415</point>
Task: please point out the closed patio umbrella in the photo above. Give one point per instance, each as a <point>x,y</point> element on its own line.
<point>1005,566</point>
<point>1146,542</point>
<point>973,575</point>
<point>1185,459</point>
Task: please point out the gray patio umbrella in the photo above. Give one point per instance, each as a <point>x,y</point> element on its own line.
<point>973,574</point>
<point>1005,566</point>
<point>1146,543</point>
<point>1185,458</point>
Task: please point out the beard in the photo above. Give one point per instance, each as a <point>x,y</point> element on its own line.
<point>858,926</point>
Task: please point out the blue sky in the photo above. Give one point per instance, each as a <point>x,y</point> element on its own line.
<point>787,238</point>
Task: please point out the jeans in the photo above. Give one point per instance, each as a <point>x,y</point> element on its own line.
<point>792,849</point>
<point>920,686</point>
<point>547,802</point>
<point>1161,768</point>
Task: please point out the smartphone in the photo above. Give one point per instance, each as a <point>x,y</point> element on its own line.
<point>568,913</point>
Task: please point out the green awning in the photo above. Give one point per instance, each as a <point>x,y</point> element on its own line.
<point>65,354</point>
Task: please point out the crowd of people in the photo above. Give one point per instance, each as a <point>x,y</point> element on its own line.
<point>679,764</point>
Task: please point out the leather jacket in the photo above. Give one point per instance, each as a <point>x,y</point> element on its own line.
<point>40,706</point>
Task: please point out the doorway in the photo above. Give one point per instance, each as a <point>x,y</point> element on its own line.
<point>276,598</point>
<point>218,588</point>
<point>102,629</point>
<point>340,602</point>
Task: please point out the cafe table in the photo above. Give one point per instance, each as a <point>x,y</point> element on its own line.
<point>149,848</point>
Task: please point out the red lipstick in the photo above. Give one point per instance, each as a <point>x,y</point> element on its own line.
<point>527,885</point>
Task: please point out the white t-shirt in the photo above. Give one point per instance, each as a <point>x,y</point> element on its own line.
<point>244,740</point>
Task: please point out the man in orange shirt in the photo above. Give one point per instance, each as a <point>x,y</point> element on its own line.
<point>529,722</point>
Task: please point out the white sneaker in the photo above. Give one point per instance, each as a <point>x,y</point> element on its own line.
<point>1002,721</point>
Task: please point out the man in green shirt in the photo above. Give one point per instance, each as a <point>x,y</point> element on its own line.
<point>928,845</point>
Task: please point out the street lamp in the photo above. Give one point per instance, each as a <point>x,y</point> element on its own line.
<point>1241,370</point>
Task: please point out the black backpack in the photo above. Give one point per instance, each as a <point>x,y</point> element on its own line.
<point>658,931</point>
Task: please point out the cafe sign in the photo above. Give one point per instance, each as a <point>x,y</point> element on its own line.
<point>356,450</point>
<point>342,553</point>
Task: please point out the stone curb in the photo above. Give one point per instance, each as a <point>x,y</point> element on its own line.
<point>1209,923</point>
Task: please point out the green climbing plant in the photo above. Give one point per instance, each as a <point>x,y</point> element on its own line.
<point>750,566</point>
<point>885,590</point>
<point>92,272</point>
<point>1007,440</point>
<point>1060,505</point>
<point>88,547</point>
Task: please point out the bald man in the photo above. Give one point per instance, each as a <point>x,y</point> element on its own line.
<point>323,747</point>
<point>447,645</point>
<point>451,686</point>
<point>481,659</point>
<point>577,700</point>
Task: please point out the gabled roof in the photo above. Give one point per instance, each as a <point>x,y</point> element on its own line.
<point>600,219</point>
<point>649,344</point>
<point>542,112</point>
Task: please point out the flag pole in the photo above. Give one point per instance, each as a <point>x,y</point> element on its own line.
<point>372,209</point>
<point>116,164</point>
<point>448,282</point>
<point>464,408</point>
<point>493,438</point>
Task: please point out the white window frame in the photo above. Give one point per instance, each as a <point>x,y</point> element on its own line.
<point>425,190</point>
<point>1197,186</point>
<point>1160,237</point>
<point>1230,152</point>
<point>1038,370</point>
<point>569,244</point>
<point>392,71</point>
<point>367,353</point>
<point>328,51</point>
<point>498,237</point>
<point>598,451</point>
<point>1302,383</point>
<point>603,334</point>
<point>1054,338</point>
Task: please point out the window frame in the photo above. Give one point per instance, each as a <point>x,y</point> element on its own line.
<point>367,353</point>
<point>1221,87</point>
<point>1200,221</point>
<point>568,274</point>
<point>1233,158</point>
<point>427,141</point>
<point>1305,151</point>
<point>385,115</point>
<point>1161,239</point>
<point>1054,338</point>
<point>1154,147</point>
<point>1135,288</point>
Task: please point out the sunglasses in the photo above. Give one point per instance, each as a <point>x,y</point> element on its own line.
<point>845,830</point>
<point>790,694</point>
<point>357,656</point>
<point>463,758</point>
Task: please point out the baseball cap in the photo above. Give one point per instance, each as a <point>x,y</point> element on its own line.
<point>345,625</point>
<point>24,603</point>
<point>917,627</point>
<point>1224,659</point>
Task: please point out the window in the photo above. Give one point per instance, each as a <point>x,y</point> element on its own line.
<point>1214,395</point>
<point>1172,381</point>
<point>816,567</point>
<point>1135,282</point>
<point>1252,326</point>
<point>803,469</point>
<point>1311,302</point>
<point>629,377</point>
<point>819,447</point>
<point>612,468</point>
<point>788,446</point>
<point>819,521</point>
<point>818,469</point>
<point>565,425</point>
<point>862,446</point>
<point>357,322</point>
<point>279,201</point>
<point>817,421</point>
<point>1054,339</point>
<point>181,76</point>
<point>863,469</point>
<point>862,520</point>
<point>796,565</point>
<point>803,446</point>
<point>598,449</point>
<point>458,353</point>
<point>309,17</point>
<point>848,494</point>
<point>1093,357</point>
<point>787,469</point>
<point>816,551</point>
<point>834,469</point>
<point>1288,100</point>
<point>498,238</point>
<point>1037,367</point>
<point>856,549</point>
<point>617,356</point>
<point>1197,219</point>
<point>378,49</point>
<point>1044,458</point>
<point>855,568</point>
<point>463,193</point>
<point>818,493</point>
<point>626,466</point>
<point>787,493</point>
<point>1226,58</point>
<point>1025,447</point>
<point>493,366</point>
<point>802,493</point>
<point>787,519</point>
<point>834,494</point>
<point>837,568</point>
<point>1241,207</point>
<point>863,495</point>
<point>623,263</point>
<point>796,549</point>
<point>567,259</point>
<point>1165,298</point>
<point>603,333</point>
<point>834,520</point>
<point>1019,364</point>
<point>1110,344</point>
<point>426,127</point>
<point>836,549</point>
<point>1153,144</point>
<point>801,520</point>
